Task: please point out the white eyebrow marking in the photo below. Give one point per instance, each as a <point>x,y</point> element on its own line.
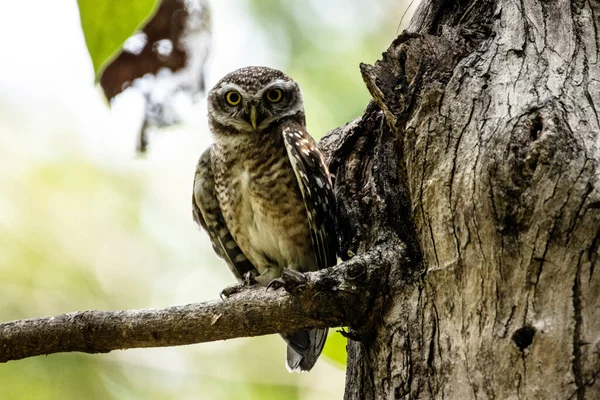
<point>280,83</point>
<point>224,88</point>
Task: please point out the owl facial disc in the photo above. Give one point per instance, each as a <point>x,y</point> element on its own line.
<point>251,99</point>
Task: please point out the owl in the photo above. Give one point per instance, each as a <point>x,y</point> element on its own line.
<point>263,191</point>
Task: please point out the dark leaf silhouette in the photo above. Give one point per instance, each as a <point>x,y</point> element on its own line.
<point>165,59</point>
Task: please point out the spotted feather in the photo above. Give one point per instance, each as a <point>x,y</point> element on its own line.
<point>208,215</point>
<point>317,191</point>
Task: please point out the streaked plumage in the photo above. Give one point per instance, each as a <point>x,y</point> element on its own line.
<point>262,191</point>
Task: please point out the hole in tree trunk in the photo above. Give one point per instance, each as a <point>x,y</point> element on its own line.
<point>523,337</point>
<point>536,127</point>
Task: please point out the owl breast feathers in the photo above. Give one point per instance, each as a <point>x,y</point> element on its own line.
<point>263,192</point>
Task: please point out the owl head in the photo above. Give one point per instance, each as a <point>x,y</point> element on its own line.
<point>252,99</point>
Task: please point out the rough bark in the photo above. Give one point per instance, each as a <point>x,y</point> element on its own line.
<point>480,152</point>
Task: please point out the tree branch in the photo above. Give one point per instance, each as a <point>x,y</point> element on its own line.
<point>339,296</point>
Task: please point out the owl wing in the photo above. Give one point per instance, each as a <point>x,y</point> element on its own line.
<point>207,214</point>
<point>317,191</point>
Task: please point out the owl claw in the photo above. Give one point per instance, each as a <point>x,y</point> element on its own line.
<point>290,279</point>
<point>275,284</point>
<point>248,280</point>
<point>229,290</point>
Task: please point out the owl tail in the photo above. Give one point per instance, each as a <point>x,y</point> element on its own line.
<point>304,348</point>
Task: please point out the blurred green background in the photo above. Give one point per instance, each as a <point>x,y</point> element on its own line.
<point>84,224</point>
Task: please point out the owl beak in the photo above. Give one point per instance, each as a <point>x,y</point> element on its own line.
<point>253,116</point>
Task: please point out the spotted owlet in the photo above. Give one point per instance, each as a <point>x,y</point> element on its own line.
<point>263,192</point>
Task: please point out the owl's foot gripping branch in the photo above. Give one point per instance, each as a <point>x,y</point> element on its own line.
<point>340,296</point>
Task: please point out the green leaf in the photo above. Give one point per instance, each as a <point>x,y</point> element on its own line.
<point>108,23</point>
<point>335,348</point>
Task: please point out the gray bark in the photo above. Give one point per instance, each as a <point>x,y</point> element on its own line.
<point>480,152</point>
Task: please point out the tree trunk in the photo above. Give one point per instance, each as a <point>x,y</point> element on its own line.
<point>477,162</point>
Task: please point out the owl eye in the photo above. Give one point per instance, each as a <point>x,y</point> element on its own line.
<point>274,95</point>
<point>233,98</point>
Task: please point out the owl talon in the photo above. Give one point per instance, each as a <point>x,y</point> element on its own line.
<point>275,284</point>
<point>229,290</point>
<point>248,280</point>
<point>290,279</point>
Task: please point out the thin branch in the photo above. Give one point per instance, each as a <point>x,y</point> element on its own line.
<point>337,296</point>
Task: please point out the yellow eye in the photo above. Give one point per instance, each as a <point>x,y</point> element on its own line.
<point>274,95</point>
<point>233,98</point>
